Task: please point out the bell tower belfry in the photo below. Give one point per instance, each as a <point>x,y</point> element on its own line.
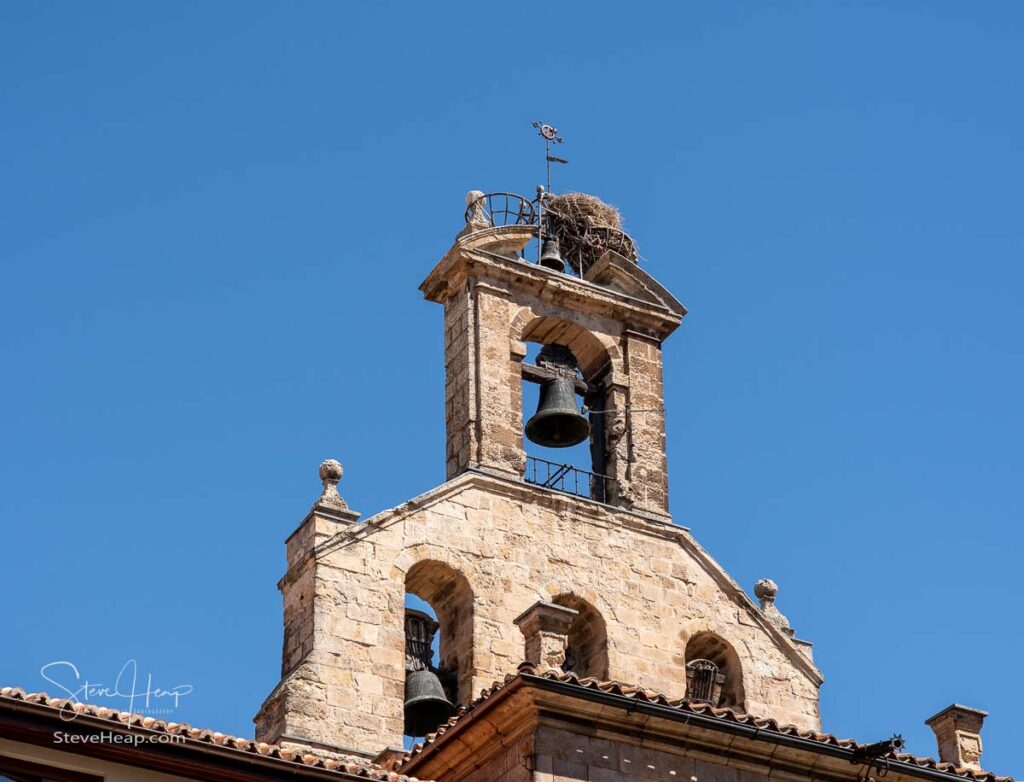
<point>523,559</point>
<point>612,319</point>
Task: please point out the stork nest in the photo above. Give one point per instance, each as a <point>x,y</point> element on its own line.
<point>588,208</point>
<point>586,228</point>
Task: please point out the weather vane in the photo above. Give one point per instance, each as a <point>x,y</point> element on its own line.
<point>550,135</point>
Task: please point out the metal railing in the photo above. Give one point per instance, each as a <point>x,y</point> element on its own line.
<point>499,209</point>
<point>568,479</point>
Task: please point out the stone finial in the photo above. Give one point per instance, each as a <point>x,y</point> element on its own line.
<point>545,626</point>
<point>330,473</point>
<point>958,732</point>
<point>475,213</point>
<point>766,590</point>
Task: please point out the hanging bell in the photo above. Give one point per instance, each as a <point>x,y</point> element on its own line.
<point>426,706</point>
<point>558,423</point>
<point>551,255</point>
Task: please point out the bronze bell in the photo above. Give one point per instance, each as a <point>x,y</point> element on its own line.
<point>551,255</point>
<point>426,705</point>
<point>558,423</point>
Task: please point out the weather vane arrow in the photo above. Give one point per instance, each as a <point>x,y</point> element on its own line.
<point>550,135</point>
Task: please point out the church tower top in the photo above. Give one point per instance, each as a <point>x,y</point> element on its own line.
<point>585,295</point>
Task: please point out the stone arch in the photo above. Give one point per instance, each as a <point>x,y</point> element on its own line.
<point>707,645</point>
<point>599,360</point>
<point>587,648</point>
<point>594,351</point>
<point>449,594</point>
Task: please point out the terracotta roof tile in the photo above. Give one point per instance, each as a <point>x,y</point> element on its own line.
<point>347,764</point>
<point>634,692</point>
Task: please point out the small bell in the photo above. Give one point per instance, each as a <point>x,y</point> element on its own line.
<point>551,255</point>
<point>426,705</point>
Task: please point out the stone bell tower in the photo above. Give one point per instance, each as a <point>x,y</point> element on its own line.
<point>613,322</point>
<point>518,561</point>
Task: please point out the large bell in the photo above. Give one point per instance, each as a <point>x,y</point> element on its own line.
<point>551,255</point>
<point>426,706</point>
<point>558,423</point>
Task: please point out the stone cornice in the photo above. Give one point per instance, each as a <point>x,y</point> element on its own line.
<point>469,257</point>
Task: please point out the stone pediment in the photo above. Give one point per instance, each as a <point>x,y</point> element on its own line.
<point>573,527</point>
<point>623,276</point>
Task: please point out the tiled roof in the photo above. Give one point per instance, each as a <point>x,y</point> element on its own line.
<point>765,724</point>
<point>342,764</point>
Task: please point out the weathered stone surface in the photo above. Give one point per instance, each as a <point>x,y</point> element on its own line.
<point>545,627</point>
<point>958,732</point>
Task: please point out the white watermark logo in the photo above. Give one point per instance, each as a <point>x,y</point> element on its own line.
<point>142,697</point>
<point>107,737</point>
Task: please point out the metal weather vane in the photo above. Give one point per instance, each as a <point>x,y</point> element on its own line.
<point>550,135</point>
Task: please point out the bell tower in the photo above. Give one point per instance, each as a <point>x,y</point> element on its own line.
<point>606,316</point>
<point>523,558</point>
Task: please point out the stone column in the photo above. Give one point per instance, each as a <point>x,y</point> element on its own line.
<point>482,385</point>
<point>644,424</point>
<point>958,731</point>
<point>545,626</point>
<point>499,427</point>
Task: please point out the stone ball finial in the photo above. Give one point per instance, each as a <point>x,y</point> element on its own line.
<point>766,589</point>
<point>330,474</point>
<point>331,470</point>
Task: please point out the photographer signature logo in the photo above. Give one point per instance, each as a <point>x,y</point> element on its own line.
<point>142,697</point>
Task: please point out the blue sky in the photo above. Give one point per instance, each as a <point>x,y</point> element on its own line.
<point>217,215</point>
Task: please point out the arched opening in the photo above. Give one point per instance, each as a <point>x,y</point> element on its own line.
<point>444,593</point>
<point>586,652</point>
<point>562,370</point>
<point>713,672</point>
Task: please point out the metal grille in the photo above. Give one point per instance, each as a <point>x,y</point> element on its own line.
<point>566,478</point>
<point>702,680</point>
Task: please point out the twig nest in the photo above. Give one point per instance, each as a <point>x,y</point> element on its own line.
<point>580,206</point>
<point>586,228</point>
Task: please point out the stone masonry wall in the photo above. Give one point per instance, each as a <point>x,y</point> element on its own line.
<point>515,544</point>
<point>512,764</point>
<point>564,756</point>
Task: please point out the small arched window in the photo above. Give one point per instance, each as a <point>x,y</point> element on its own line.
<point>586,652</point>
<point>713,672</point>
<point>448,596</point>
